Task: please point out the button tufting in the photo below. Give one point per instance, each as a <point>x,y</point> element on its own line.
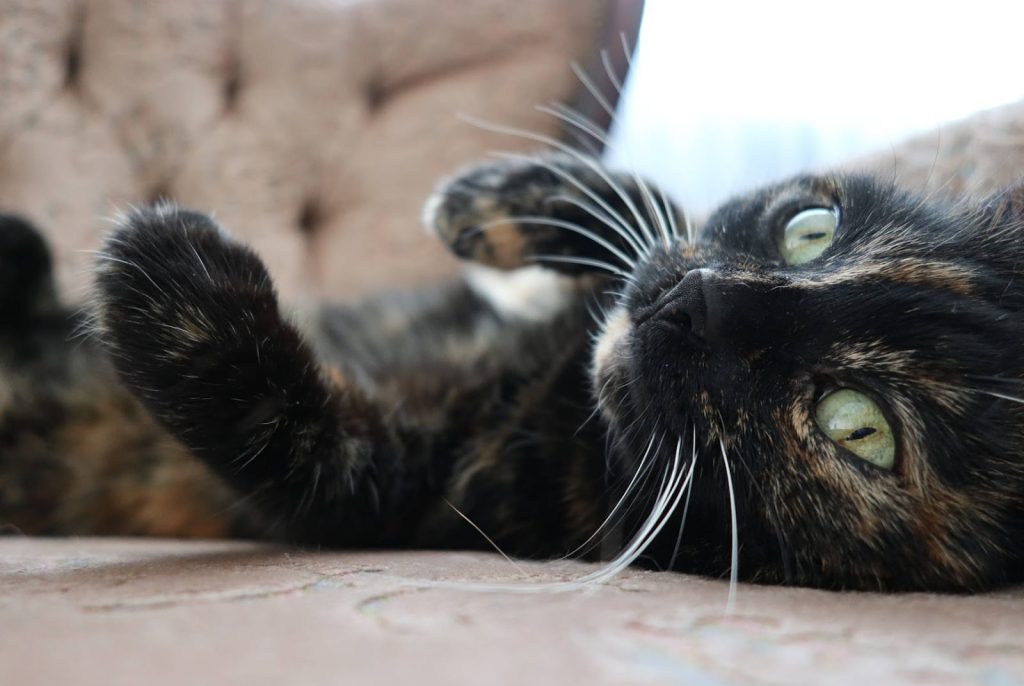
<point>232,82</point>
<point>310,217</point>
<point>232,85</point>
<point>375,94</point>
<point>73,56</point>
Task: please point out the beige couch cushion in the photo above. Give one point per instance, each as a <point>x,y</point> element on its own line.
<point>314,129</point>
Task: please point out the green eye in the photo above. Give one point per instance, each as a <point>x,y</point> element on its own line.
<point>855,422</point>
<point>807,234</point>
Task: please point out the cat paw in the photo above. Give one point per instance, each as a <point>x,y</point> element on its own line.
<point>565,213</point>
<point>478,212</point>
<point>171,287</point>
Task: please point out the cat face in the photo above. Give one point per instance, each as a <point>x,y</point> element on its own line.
<point>849,356</point>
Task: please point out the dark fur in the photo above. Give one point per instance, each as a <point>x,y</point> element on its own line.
<point>377,424</point>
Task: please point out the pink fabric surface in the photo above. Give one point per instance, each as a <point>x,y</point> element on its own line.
<point>161,612</point>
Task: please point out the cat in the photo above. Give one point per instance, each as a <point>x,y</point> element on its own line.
<point>820,387</point>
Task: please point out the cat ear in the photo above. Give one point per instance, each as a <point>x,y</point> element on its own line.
<point>565,213</point>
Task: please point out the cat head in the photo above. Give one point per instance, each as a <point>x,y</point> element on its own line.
<point>851,358</point>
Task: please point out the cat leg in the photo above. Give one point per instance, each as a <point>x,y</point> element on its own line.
<point>193,326</point>
<point>564,212</point>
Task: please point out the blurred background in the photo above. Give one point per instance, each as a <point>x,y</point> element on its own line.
<point>727,95</point>
<point>315,129</point>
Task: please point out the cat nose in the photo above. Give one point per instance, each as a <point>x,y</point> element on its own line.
<point>690,306</point>
<point>688,310</point>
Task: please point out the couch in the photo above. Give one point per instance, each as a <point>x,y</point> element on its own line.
<point>314,130</point>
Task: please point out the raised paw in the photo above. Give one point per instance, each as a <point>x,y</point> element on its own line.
<point>170,283</point>
<point>192,323</point>
<point>567,213</point>
<point>193,326</point>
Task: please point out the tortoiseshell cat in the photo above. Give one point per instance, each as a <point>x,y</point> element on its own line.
<point>828,375</point>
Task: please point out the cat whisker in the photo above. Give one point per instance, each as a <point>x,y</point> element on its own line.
<point>621,226</point>
<point>592,88</point>
<point>594,211</point>
<point>998,379</point>
<point>486,537</point>
<point>642,468</point>
<point>691,230</point>
<point>734,565</point>
<point>686,504</point>
<point>584,142</point>
<point>983,391</point>
<point>673,226</point>
<point>610,71</point>
<point>583,261</point>
<point>584,124</point>
<point>573,118</point>
<point>669,494</point>
<point>594,91</point>
<point>673,486</point>
<point>1003,396</point>
<point>626,50</point>
<point>560,224</point>
<point>590,162</point>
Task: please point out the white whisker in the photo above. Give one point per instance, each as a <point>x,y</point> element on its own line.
<point>594,211</point>
<point>670,214</point>
<point>573,118</point>
<point>1003,396</point>
<point>641,469</point>
<point>691,232</point>
<point>583,261</point>
<point>560,224</point>
<point>686,505</point>
<point>668,499</point>
<point>610,71</point>
<point>486,537</point>
<point>734,566</point>
<point>570,116</point>
<point>626,49</point>
<point>670,493</point>
<point>594,165</point>
<point>623,227</point>
<point>593,89</point>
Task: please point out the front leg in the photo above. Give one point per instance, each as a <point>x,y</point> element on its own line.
<point>565,212</point>
<point>193,326</point>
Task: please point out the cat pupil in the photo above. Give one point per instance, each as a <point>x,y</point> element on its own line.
<point>860,433</point>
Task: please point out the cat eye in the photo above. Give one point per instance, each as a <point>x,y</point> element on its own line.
<point>856,423</point>
<point>807,234</point>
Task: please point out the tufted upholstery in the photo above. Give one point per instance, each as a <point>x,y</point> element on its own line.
<point>974,157</point>
<point>314,129</point>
